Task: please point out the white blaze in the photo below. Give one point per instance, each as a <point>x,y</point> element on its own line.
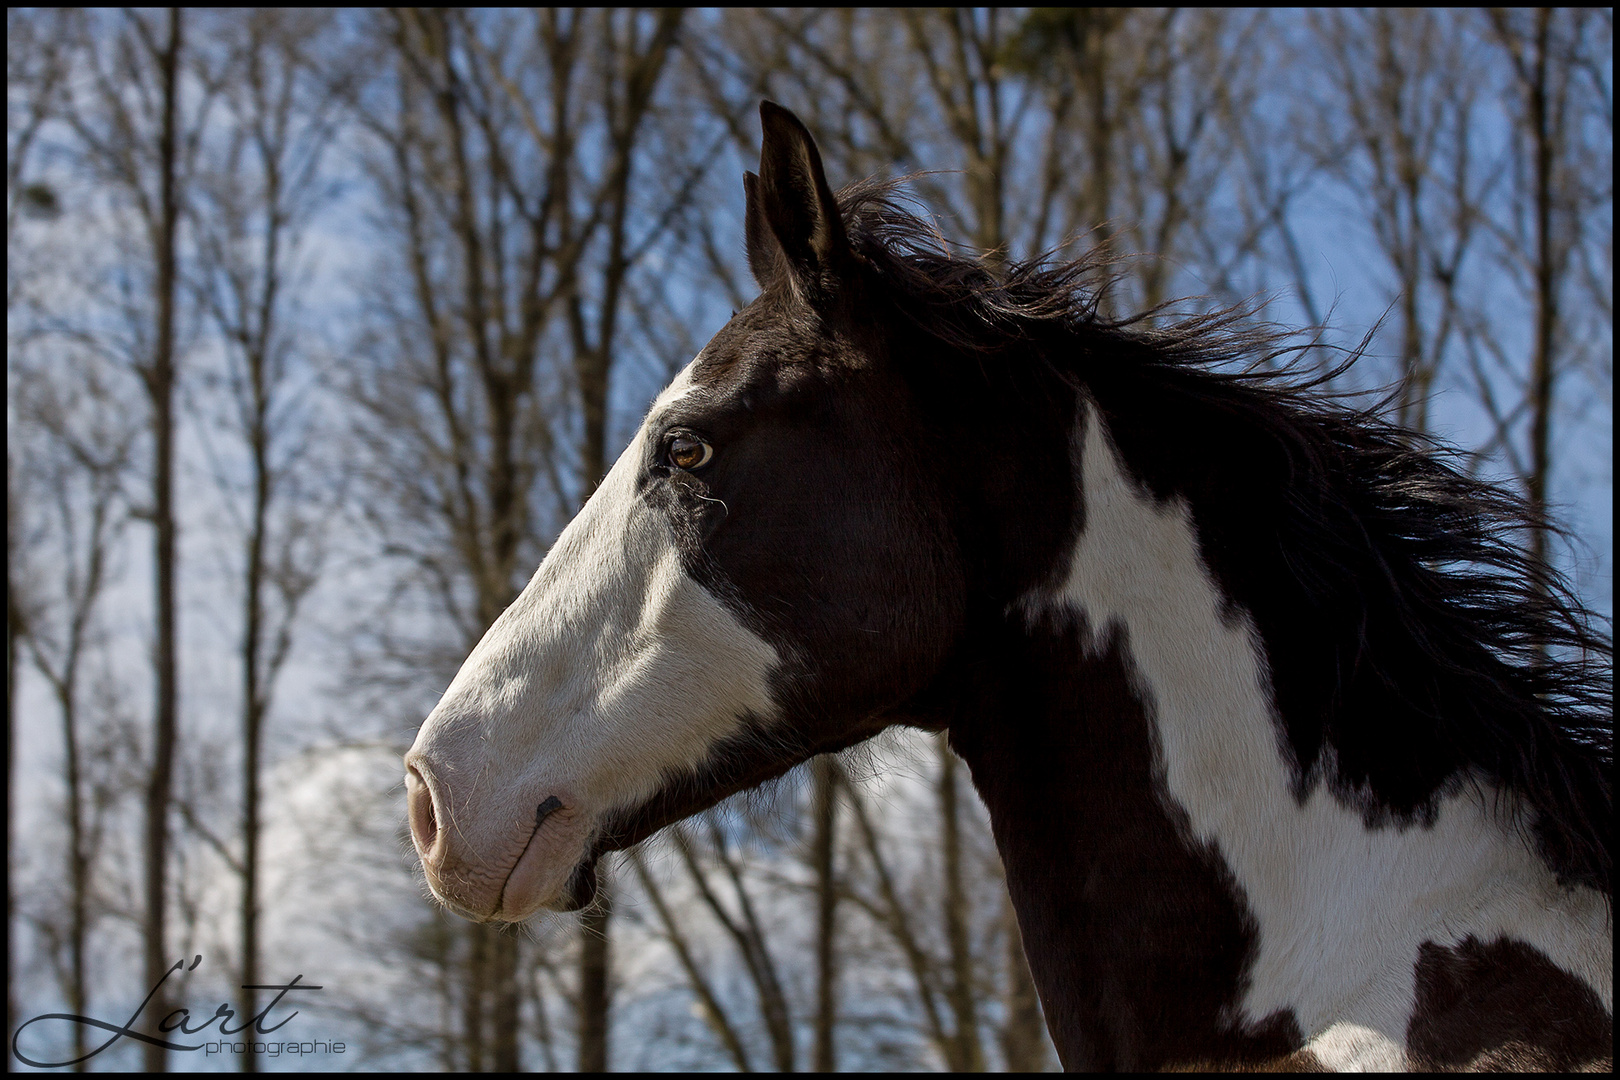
<point>611,670</point>
<point>1341,910</point>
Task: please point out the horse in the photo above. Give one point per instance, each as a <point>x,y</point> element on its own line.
<point>1294,758</point>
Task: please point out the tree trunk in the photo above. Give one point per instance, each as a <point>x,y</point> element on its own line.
<point>160,386</point>
<point>14,632</point>
<point>1541,374</point>
<point>1100,121</point>
<point>826,810</point>
<point>967,1052</point>
<point>78,860</point>
<point>475,986</point>
<point>503,1006</point>
<point>253,716</point>
<point>594,991</point>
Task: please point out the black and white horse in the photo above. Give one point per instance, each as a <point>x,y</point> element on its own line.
<point>1291,756</point>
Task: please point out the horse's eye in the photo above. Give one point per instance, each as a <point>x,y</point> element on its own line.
<point>689,452</point>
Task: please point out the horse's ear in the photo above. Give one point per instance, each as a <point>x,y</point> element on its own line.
<point>792,197</point>
<point>764,253</point>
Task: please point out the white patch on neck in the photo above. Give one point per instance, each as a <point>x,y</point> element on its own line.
<point>1341,911</point>
<point>1353,1048</point>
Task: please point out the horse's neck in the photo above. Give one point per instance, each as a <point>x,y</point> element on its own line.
<point>1178,901</point>
<point>1135,939</point>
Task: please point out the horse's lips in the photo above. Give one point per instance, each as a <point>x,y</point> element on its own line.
<point>545,872</point>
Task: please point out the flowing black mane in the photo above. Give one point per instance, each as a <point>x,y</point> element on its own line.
<point>1414,644</point>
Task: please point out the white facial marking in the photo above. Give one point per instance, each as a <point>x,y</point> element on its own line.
<point>1341,911</point>
<point>680,386</point>
<point>610,671</point>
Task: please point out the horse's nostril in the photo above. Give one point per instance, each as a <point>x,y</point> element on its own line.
<point>424,823</point>
<point>546,809</point>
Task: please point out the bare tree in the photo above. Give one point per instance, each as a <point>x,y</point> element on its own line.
<point>746,930</point>
<point>1398,133</point>
<point>1457,215</point>
<point>898,917</point>
<point>16,627</point>
<point>159,378</point>
<point>79,455</point>
<point>34,71</point>
<point>715,1014</point>
<point>823,854</point>
<point>134,131</point>
<point>252,202</point>
<point>1562,180</point>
